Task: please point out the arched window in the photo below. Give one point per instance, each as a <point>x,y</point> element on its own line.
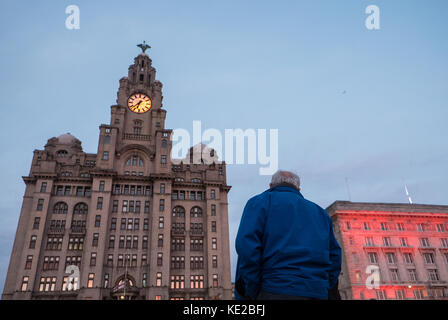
<point>178,211</point>
<point>135,161</point>
<point>62,153</point>
<point>60,208</point>
<point>81,208</point>
<point>196,212</point>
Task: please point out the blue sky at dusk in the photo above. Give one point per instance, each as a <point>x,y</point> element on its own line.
<point>349,103</point>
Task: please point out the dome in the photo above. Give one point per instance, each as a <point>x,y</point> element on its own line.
<point>66,138</point>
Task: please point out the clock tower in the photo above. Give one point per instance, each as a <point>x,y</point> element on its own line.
<point>135,225</point>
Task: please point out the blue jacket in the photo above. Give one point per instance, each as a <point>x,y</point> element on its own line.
<point>286,245</point>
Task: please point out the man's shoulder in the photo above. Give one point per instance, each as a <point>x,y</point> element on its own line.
<point>318,208</point>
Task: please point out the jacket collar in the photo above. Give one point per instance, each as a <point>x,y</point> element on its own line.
<point>285,187</point>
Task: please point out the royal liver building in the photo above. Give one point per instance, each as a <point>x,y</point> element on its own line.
<point>124,223</point>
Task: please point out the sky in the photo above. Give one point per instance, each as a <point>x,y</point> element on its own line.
<point>357,107</point>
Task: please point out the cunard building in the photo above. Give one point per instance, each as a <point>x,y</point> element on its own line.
<point>124,223</point>
<point>406,243</point>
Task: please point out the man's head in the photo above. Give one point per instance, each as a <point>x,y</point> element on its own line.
<point>282,177</point>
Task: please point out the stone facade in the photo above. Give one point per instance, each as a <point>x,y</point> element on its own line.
<point>136,225</point>
<point>407,242</point>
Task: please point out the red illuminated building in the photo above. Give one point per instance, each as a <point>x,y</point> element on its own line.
<point>407,242</point>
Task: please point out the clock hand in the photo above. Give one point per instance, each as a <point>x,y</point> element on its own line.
<point>138,104</point>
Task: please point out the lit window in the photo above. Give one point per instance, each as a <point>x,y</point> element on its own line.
<point>90,281</point>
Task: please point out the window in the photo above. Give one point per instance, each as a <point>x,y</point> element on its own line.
<point>179,211</point>
<point>424,242</point>
<point>159,259</point>
<point>429,258</point>
<point>43,187</point>
<point>213,210</point>
<point>33,242</point>
<point>111,242</point>
<point>62,154</point>
<point>408,258</point>
<point>391,259</point>
<point>137,206</point>
<point>60,208</point>
<point>106,139</point>
<point>145,242</point>
<point>177,282</point>
<point>90,280</point>
<point>394,275</point>
<point>101,186</point>
<point>373,257</point>
<point>40,204</point>
<point>404,242</point>
<point>144,259</point>
<point>36,223</point>
<point>164,143</point>
<point>412,273</point>
<point>80,208</point>
<point>420,227</point>
<point>444,242</point>
<point>196,262</point>
<point>213,226</point>
<point>400,226</point>
<point>163,159</point>
<point>97,221</point>
<point>215,281</point>
<point>433,275</point>
<point>161,223</point>
<point>212,194</point>
<point>418,294</point>
<point>162,205</point>
<point>195,212</point>
<point>24,286</point>
<point>440,228</point>
<point>135,242</point>
<point>144,280</point>
<point>106,280</point>
<point>162,188</point>
<point>38,161</point>
<point>124,207</point>
<point>399,294</point>
<point>105,155</point>
<point>115,206</point>
<point>29,262</point>
<point>196,244</point>
<point>145,224</point>
<point>75,243</point>
<point>93,259</point>
<point>381,294</point>
<point>215,261</point>
<point>160,240</point>
<point>197,282</point>
<point>214,244</point>
<point>47,284</point>
<point>386,241</point>
<point>383,226</point>
<point>158,279</point>
<point>366,226</point>
<point>99,204</point>
<point>369,241</point>
<point>95,239</point>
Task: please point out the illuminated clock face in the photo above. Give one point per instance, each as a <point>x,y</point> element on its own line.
<point>139,103</point>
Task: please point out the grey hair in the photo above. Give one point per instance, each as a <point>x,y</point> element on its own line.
<point>285,177</point>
